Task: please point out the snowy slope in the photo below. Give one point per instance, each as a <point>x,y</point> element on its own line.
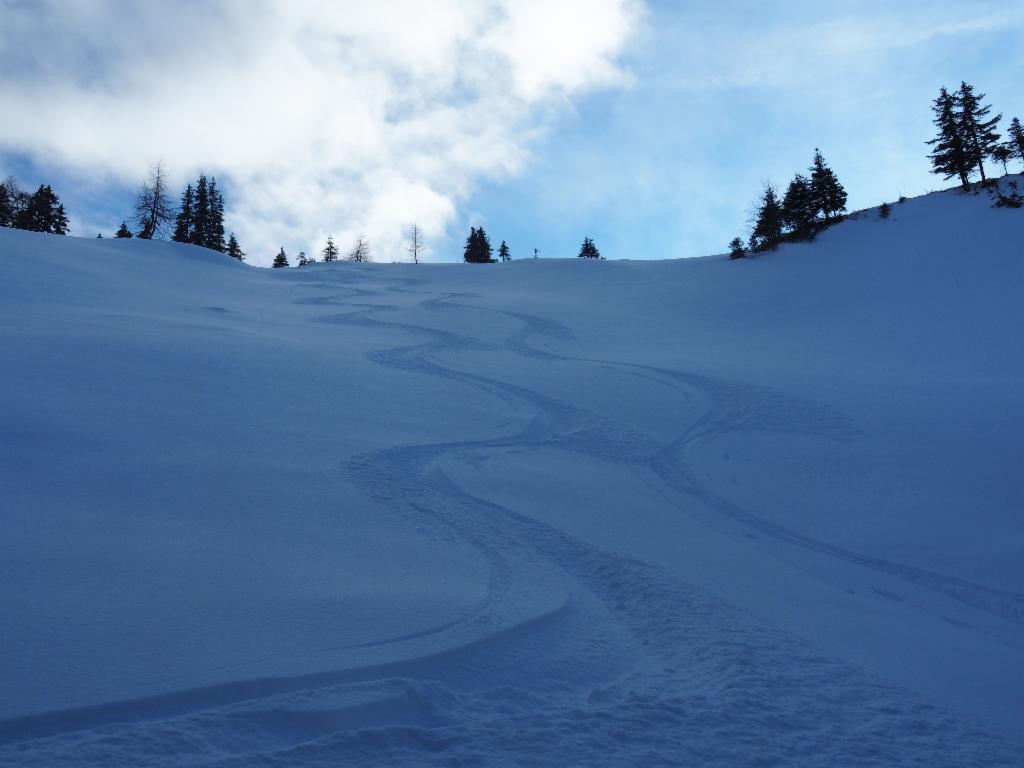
<point>544,512</point>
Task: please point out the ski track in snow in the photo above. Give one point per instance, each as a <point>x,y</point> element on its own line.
<point>577,656</point>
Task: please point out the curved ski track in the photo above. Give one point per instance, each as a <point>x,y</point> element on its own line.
<point>578,656</point>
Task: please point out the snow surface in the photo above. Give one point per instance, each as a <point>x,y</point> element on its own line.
<point>687,512</point>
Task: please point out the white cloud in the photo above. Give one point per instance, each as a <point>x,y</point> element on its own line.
<point>335,116</point>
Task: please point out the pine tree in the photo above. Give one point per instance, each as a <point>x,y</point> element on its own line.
<point>767,232</point>
<point>6,207</point>
<point>152,206</point>
<point>478,247</point>
<point>215,231</point>
<point>828,195</point>
<point>978,134</point>
<point>884,211</point>
<point>183,223</point>
<point>281,260</point>
<point>1015,139</point>
<point>503,253</point>
<point>234,249</point>
<point>949,157</point>
<point>303,261</point>
<point>588,250</point>
<point>360,251</point>
<point>123,233</point>
<point>330,250</point>
<point>736,249</point>
<point>43,213</point>
<point>202,218</point>
<point>800,208</point>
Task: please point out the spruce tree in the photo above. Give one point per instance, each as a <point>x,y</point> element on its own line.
<point>800,208</point>
<point>503,253</point>
<point>152,206</point>
<point>202,218</point>
<point>330,251</point>
<point>123,233</point>
<point>829,197</point>
<point>588,250</point>
<point>234,249</point>
<point>486,252</point>
<point>736,249</point>
<point>979,135</point>
<point>43,213</point>
<point>6,207</point>
<point>183,223</point>
<point>281,260</point>
<point>884,211</point>
<point>1015,139</point>
<point>767,232</point>
<point>949,158</point>
<point>302,261</point>
<point>478,247</point>
<point>215,231</point>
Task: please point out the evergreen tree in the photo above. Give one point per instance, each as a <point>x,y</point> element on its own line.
<point>99,235</point>
<point>767,232</point>
<point>478,247</point>
<point>43,213</point>
<point>202,218</point>
<point>588,250</point>
<point>470,251</point>
<point>949,157</point>
<point>123,232</point>
<point>183,223</point>
<point>234,249</point>
<point>1016,139</point>
<point>215,231</point>
<point>978,134</point>
<point>330,251</point>
<point>303,261</point>
<point>281,260</point>
<point>828,195</point>
<point>6,207</point>
<point>884,211</point>
<point>800,208</point>
<point>152,206</point>
<point>503,253</point>
<point>736,249</point>
<point>1002,154</point>
<point>360,251</point>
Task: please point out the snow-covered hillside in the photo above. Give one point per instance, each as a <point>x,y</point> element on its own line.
<point>691,512</point>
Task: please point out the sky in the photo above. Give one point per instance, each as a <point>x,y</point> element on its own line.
<point>649,126</point>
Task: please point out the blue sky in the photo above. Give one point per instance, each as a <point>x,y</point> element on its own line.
<point>648,126</point>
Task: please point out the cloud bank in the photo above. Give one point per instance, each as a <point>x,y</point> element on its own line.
<point>325,116</point>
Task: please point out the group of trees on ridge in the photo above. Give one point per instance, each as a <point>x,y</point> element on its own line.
<point>966,138</point>
<point>41,211</point>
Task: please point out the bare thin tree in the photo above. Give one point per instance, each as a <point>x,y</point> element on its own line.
<point>153,210</point>
<point>416,247</point>
<point>360,251</point>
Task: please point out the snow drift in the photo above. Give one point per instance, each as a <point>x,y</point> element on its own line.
<point>543,512</point>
